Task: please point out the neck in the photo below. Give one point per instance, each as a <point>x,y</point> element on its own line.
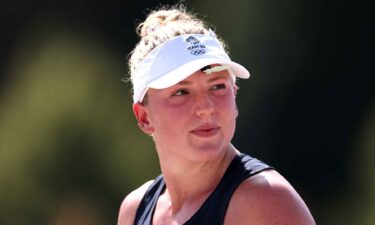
<point>191,182</point>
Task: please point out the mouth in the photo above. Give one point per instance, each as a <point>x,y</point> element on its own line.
<point>206,131</point>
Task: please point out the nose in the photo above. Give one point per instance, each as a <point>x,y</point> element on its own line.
<point>205,106</point>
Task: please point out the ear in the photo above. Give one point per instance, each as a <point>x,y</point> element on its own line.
<point>141,113</point>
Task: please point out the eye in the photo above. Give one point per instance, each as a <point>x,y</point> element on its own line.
<point>180,92</point>
<point>218,87</point>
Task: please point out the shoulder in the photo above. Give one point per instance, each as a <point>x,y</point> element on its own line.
<point>267,198</point>
<point>130,205</point>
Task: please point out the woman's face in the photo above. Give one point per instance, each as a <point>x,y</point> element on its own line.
<point>194,119</point>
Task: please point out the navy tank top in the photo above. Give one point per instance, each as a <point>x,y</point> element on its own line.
<point>213,210</point>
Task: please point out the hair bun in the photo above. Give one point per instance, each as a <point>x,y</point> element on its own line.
<point>159,19</point>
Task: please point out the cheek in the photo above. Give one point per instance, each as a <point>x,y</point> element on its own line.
<point>167,119</point>
<point>228,104</point>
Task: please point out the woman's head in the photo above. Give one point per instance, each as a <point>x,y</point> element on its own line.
<point>188,105</point>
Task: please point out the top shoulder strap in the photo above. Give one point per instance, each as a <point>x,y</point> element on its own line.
<point>148,202</point>
<point>214,209</point>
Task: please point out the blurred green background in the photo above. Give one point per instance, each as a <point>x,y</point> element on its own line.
<point>70,149</point>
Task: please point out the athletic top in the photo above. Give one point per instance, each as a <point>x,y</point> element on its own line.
<point>214,208</point>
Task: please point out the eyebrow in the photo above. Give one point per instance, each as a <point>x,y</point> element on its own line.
<point>186,82</point>
<point>219,77</point>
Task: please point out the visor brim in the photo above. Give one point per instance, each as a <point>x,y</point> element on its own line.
<point>175,76</point>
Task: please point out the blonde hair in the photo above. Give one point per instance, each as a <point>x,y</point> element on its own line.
<point>161,25</point>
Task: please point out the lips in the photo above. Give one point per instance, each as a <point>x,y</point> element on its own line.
<point>206,130</point>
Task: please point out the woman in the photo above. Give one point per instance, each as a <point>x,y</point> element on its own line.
<point>184,97</point>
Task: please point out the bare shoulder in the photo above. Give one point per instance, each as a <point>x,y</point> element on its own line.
<point>130,205</point>
<point>267,198</point>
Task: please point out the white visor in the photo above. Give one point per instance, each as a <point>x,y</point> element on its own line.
<point>178,58</point>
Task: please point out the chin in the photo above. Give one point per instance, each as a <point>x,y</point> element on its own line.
<point>208,151</point>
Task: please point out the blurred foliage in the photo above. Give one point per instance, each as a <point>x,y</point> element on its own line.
<point>66,125</point>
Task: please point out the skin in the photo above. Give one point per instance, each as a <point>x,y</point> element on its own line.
<point>192,124</point>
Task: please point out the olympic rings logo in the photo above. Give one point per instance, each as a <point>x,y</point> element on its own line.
<point>198,52</point>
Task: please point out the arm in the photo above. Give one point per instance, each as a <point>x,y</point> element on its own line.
<point>266,199</point>
<point>130,205</point>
